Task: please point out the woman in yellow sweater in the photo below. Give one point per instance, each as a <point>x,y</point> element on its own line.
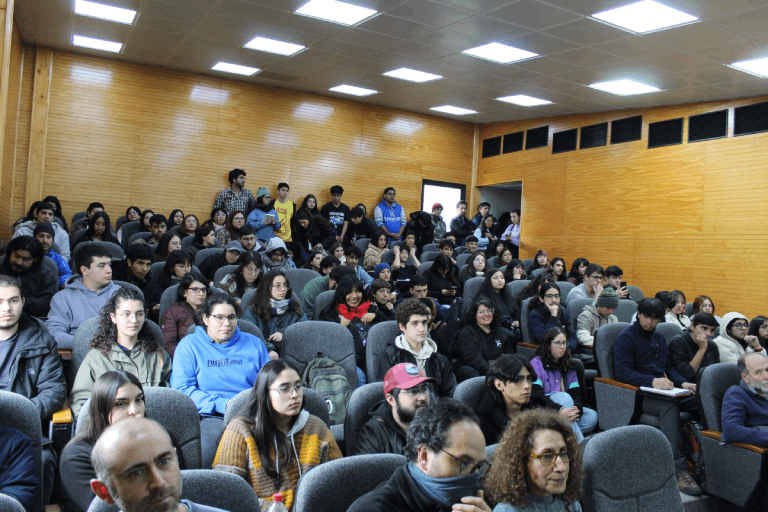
<point>273,440</point>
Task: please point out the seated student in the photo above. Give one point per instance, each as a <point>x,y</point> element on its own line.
<point>578,269</point>
<point>176,218</point>
<point>541,260</point>
<point>401,270</point>
<point>319,285</point>
<point>313,233</point>
<point>415,346</point>
<point>596,315</point>
<point>276,256</point>
<point>83,223</point>
<point>703,304</point>
<point>158,227</point>
<point>471,243</point>
<point>237,358</point>
<point>248,239</point>
<point>145,225</point>
<point>450,236</point>
<point>641,359</point>
<point>123,341</point>
<point>337,213</point>
<point>24,261</point>
<point>273,441</point>
<point>383,271</point>
<point>245,278</point>
<point>19,475</point>
<point>476,266</point>
<point>675,304</point>
<point>758,327</point>
<point>231,230</point>
<point>217,220</point>
<point>446,462</point>
<point>44,212</point>
<point>380,294</point>
<point>557,384</point>
<point>693,349</point>
<point>274,308</point>
<point>515,271</point>
<point>352,256</point>
<point>133,213</point>
<point>169,243</point>
<point>547,458</point>
<point>361,226</point>
<point>745,406</point>
<point>418,288</point>
<point>441,281</point>
<point>546,312</point>
<point>734,340</point>
<point>337,249</point>
<point>409,239</point>
<point>99,230</point>
<point>447,247</point>
<point>205,238</point>
<point>494,288</point>
<point>505,257</point>
<point>494,249</point>
<point>484,234</point>
<point>438,223</point>
<point>376,247</point>
<point>189,226</point>
<point>134,269</point>
<point>313,262</point>
<point>481,341</point>
<point>614,276</point>
<point>83,296</point>
<point>558,270</point>
<point>44,234</point>
<point>230,256</point>
<point>533,288</point>
<point>180,316</point>
<point>405,393</point>
<point>592,285</point>
<point>264,221</point>
<point>422,228</point>
<point>175,268</point>
<point>327,264</point>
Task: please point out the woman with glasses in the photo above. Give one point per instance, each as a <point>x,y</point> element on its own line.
<point>218,219</point>
<point>273,440</point>
<point>557,385</point>
<point>758,327</point>
<point>189,226</point>
<point>133,213</point>
<point>123,341</point>
<point>703,304</point>
<point>546,312</point>
<point>180,316</point>
<point>169,243</point>
<point>274,308</point>
<point>231,230</point>
<point>215,363</point>
<point>482,340</point>
<point>494,288</point>
<point>514,271</point>
<point>735,339</point>
<point>536,467</point>
<point>245,278</point>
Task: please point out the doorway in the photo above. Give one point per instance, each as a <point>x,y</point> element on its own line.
<point>445,193</point>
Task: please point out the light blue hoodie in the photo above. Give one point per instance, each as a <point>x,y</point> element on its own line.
<point>212,373</point>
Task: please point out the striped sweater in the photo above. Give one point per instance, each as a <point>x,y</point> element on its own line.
<point>238,454</point>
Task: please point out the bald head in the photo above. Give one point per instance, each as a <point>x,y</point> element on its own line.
<point>121,436</point>
<point>754,370</point>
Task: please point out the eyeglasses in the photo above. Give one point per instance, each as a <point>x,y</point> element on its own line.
<point>278,253</point>
<point>197,290</point>
<point>560,344</point>
<point>279,286</point>
<point>286,390</point>
<point>486,311</point>
<point>221,318</point>
<point>124,315</point>
<point>597,277</point>
<point>221,214</point>
<point>552,296</point>
<point>549,458</point>
<point>740,326</point>
<point>416,391</point>
<point>467,467</point>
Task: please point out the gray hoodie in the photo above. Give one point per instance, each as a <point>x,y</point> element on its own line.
<point>274,244</point>
<point>60,237</point>
<point>74,305</point>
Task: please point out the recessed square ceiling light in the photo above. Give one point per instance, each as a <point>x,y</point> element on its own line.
<point>273,46</point>
<point>645,16</point>
<point>105,12</point>
<point>757,67</point>
<point>412,75</point>
<point>450,109</point>
<point>524,101</point>
<point>235,68</point>
<point>498,52</point>
<point>333,10</point>
<point>351,89</point>
<point>97,44</point>
<point>624,87</point>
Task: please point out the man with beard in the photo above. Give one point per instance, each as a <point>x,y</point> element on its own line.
<point>137,469</point>
<point>24,261</point>
<point>745,407</point>
<point>44,233</point>
<point>405,393</point>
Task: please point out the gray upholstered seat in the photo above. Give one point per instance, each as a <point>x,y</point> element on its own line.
<point>635,293</point>
<point>133,287</point>
<point>615,405</point>
<point>203,254</point>
<point>306,341</point>
<point>527,265</point>
<point>313,403</point>
<point>471,391</point>
<point>246,301</point>
<point>459,250</point>
<point>17,411</point>
<point>515,287</point>
<point>565,290</point>
<point>156,270</point>
<point>120,221</point>
<point>388,257</point>
<point>166,300</point>
<point>378,337</point>
<point>357,412</point>
<point>538,271</point>
<point>626,310</point>
<point>76,217</point>
<point>336,484</point>
<point>429,256</point>
<point>668,330</point>
<point>223,272</point>
<point>430,248</point>
<point>323,300</point>
<point>493,262</point>
<point>299,277</point>
<point>630,469</point>
<point>688,309</point>
<point>129,229</point>
<point>362,244</point>
<point>461,259</point>
<point>576,306</point>
<point>471,288</point>
<point>81,345</point>
<point>524,311</point>
<point>8,504</point>
<point>187,242</point>
<point>424,267</point>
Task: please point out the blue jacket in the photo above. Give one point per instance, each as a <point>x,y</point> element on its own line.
<point>393,218</point>
<point>61,264</point>
<point>364,276</point>
<point>212,373</point>
<point>640,356</point>
<point>743,410</point>
<point>19,477</point>
<point>263,231</point>
<point>540,320</point>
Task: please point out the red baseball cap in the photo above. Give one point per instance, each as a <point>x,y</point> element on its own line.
<point>404,376</point>
<point>436,205</point>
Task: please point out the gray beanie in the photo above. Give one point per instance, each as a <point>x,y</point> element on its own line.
<point>608,299</point>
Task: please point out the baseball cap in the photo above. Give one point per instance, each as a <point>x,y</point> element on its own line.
<point>234,245</point>
<point>404,376</point>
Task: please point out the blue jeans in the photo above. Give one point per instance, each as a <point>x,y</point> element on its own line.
<point>362,380</point>
<point>585,424</point>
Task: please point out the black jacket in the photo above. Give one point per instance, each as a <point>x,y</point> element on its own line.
<point>366,229</point>
<point>475,352</point>
<point>494,419</point>
<point>462,227</point>
<point>120,272</point>
<point>38,284</point>
<point>424,235</point>
<point>682,349</point>
<point>438,367</point>
<point>437,283</point>
<point>358,329</point>
<point>212,263</point>
<point>381,434</point>
<point>400,493</point>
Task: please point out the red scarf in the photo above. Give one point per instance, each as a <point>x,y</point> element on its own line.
<point>352,313</point>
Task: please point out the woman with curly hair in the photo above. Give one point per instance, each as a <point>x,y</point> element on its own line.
<point>123,341</point>
<point>536,467</point>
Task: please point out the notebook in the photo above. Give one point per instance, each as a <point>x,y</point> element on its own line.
<point>667,392</point>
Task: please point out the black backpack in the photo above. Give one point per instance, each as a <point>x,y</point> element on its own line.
<point>693,454</point>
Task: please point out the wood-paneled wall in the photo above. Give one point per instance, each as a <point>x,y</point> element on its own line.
<point>690,217</point>
<point>127,134</point>
<point>12,101</point>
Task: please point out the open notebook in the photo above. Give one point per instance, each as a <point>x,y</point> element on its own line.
<point>667,392</point>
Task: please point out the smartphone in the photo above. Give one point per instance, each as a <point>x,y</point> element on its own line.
<point>623,284</point>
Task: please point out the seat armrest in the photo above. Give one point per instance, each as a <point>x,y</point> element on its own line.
<point>64,415</point>
<point>716,435</point>
<point>616,403</point>
<point>528,345</point>
<point>616,383</point>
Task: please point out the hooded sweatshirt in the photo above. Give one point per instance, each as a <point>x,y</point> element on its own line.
<point>212,373</point>
<point>60,237</point>
<point>381,433</point>
<point>274,244</point>
<point>433,363</point>
<point>730,348</point>
<point>38,283</point>
<point>74,305</point>
<point>264,232</point>
<point>588,322</point>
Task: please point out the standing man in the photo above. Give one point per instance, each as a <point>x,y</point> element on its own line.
<point>390,216</point>
<point>24,261</point>
<point>482,210</point>
<point>512,233</point>
<point>423,229</point>
<point>236,197</point>
<point>338,213</point>
<point>461,226</point>
<point>285,211</point>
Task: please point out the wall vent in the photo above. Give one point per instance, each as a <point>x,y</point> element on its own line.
<point>626,130</point>
<point>513,142</point>
<point>492,147</point>
<point>665,133</point>
<point>594,136</point>
<point>565,141</point>
<point>750,119</point>
<point>712,125</point>
<point>537,137</point>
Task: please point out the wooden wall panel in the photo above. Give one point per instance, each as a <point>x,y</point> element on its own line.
<point>688,217</point>
<point>9,135</point>
<point>19,206</point>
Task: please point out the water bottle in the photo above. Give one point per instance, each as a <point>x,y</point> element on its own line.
<point>277,504</point>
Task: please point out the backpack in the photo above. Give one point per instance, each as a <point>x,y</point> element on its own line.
<point>328,378</point>
<point>693,454</point>
<point>450,329</point>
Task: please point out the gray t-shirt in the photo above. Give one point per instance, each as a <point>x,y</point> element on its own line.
<point>6,350</point>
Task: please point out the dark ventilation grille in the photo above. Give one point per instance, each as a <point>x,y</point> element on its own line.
<point>751,119</point>
<point>513,142</point>
<point>713,125</point>
<point>565,141</point>
<point>537,138</point>
<point>492,146</point>
<point>594,136</point>
<point>665,133</point>
<point>626,130</point>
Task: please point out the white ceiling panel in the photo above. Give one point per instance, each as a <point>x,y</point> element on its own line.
<point>368,39</point>
<point>587,57</point>
<point>586,31</point>
<point>752,23</point>
<point>429,13</point>
<point>734,52</point>
<point>679,62</point>
<point>635,47</point>
<point>395,27</point>
<point>542,44</point>
<point>695,35</point>
<point>533,15</point>
<point>246,11</point>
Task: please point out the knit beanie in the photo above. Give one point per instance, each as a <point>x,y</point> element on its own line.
<point>608,299</point>
<point>44,227</point>
<point>261,192</point>
<point>379,268</point>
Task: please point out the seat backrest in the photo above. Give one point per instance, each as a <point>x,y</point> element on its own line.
<point>17,411</point>
<point>76,217</point>
<point>715,381</point>
<point>526,352</point>
<point>120,221</point>
<point>424,267</point>
<point>299,277</point>
<point>429,256</point>
<point>314,403</point>
<point>305,341</point>
<point>155,270</point>
<point>131,286</point>
<point>626,310</point>
<point>59,221</point>
<point>8,504</point>
<point>565,290</point>
<point>525,308</point>
<point>493,262</point>
<point>250,328</point>
<point>430,248</point>
<point>322,301</point>
<point>630,469</point>
<point>576,306</point>
<point>461,259</point>
<point>459,250</point>
<point>336,484</point>
<point>635,293</point>
<point>471,287</point>
<point>81,345</point>
<point>187,242</point>
<point>129,229</point>
<point>471,391</point>
<point>515,287</point>
<point>538,271</point>
<point>357,412</point>
<point>362,244</point>
<point>388,257</point>
<point>74,239</point>
<point>605,337</point>
<point>137,236</point>
<point>668,330</point>
<point>688,308</point>
<point>378,337</point>
<point>203,254</point>
<point>223,272</point>
<point>527,265</point>
<point>48,262</point>
<point>246,301</point>
<point>166,300</point>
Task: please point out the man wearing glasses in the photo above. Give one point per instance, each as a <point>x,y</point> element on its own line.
<point>405,393</point>
<point>592,285</point>
<point>446,455</point>
<point>390,216</point>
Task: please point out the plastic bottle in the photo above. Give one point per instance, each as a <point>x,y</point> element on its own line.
<point>277,504</point>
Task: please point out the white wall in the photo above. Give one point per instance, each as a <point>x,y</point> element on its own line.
<point>501,199</point>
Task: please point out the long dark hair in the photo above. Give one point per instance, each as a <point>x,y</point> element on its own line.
<point>55,202</point>
<point>32,211</point>
<point>106,335</point>
<point>183,227</point>
<point>574,273</point>
<point>202,232</point>
<point>103,401</point>
<point>345,287</point>
<point>161,251</point>
<point>308,263</point>
<point>315,221</point>
<point>170,223</point>
<point>532,290</point>
<point>259,414</point>
<point>505,368</point>
<point>313,211</point>
<point>544,350</point>
<point>489,291</point>
<point>442,262</point>
<point>469,269</point>
<point>564,275</point>
<point>89,232</point>
<point>509,271</point>
<point>483,228</point>
<point>246,259</point>
<point>166,276</point>
<point>471,316</point>
<point>262,303</point>
<point>228,224</point>
<point>142,227</point>
<point>754,328</point>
